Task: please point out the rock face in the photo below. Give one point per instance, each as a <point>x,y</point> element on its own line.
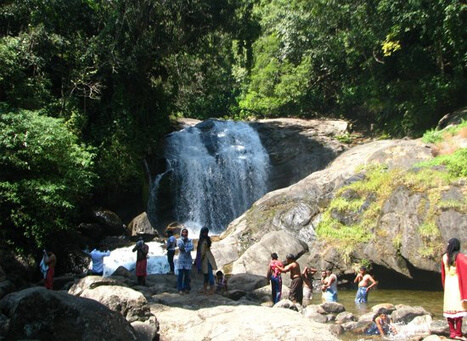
<point>298,148</point>
<point>41,314</point>
<point>295,212</point>
<point>141,225</point>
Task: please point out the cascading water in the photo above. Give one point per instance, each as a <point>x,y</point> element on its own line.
<point>218,169</point>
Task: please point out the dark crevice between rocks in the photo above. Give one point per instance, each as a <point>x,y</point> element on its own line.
<point>421,279</point>
<point>390,279</point>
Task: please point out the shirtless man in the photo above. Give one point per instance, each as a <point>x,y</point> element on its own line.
<point>365,283</point>
<point>296,286</point>
<point>307,276</point>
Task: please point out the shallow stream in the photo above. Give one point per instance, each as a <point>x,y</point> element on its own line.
<point>432,301</point>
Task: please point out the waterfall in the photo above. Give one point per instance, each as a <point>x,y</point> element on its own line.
<point>218,170</point>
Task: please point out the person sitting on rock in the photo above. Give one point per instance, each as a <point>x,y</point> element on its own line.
<point>221,282</point>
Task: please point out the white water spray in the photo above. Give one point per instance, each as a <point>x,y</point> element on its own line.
<point>218,169</point>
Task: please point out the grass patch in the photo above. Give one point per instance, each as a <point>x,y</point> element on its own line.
<point>379,184</point>
<point>437,136</point>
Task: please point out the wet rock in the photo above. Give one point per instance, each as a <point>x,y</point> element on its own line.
<point>383,308</point>
<point>405,314</point>
<point>345,317</point>
<point>439,327</point>
<point>332,307</point>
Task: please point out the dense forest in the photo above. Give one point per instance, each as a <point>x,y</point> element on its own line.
<point>88,88</point>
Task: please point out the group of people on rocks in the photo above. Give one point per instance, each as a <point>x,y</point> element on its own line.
<point>204,262</point>
<point>453,275</point>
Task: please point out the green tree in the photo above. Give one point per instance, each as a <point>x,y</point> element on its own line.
<point>400,64</point>
<point>45,174</point>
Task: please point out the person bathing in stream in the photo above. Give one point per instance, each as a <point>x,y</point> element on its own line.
<point>365,283</point>
<point>329,287</point>
<point>296,286</point>
<point>307,276</point>
<point>382,326</point>
<point>454,279</point>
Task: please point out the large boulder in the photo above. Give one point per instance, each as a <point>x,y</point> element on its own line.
<point>255,260</point>
<point>299,147</point>
<point>238,323</point>
<point>296,211</point>
<point>141,226</point>
<point>128,302</point>
<point>110,222</point>
<point>41,314</point>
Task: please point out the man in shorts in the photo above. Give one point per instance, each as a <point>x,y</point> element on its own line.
<point>296,286</point>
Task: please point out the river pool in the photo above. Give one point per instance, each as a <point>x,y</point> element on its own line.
<point>432,301</point>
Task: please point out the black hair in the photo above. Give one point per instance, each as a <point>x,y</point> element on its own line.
<point>453,249</point>
<point>203,235</point>
<point>218,273</point>
<point>170,232</point>
<point>274,255</point>
<point>290,256</point>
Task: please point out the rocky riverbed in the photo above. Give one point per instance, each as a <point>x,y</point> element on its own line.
<point>115,307</point>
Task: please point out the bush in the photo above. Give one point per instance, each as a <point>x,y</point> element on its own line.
<point>44,174</point>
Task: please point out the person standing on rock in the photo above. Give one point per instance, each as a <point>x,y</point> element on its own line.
<point>50,260</point>
<point>296,286</point>
<point>171,245</point>
<point>142,250</point>
<point>97,257</point>
<point>274,276</point>
<point>329,287</point>
<point>307,276</point>
<point>185,261</point>
<point>454,279</point>
<point>365,283</point>
<point>205,261</point>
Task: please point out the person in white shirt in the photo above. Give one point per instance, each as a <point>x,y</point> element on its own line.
<point>97,257</point>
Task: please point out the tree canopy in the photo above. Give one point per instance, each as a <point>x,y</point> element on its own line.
<point>94,84</point>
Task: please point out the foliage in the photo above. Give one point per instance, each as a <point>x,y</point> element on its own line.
<point>434,136</point>
<point>396,63</point>
<point>45,175</point>
<point>455,163</point>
